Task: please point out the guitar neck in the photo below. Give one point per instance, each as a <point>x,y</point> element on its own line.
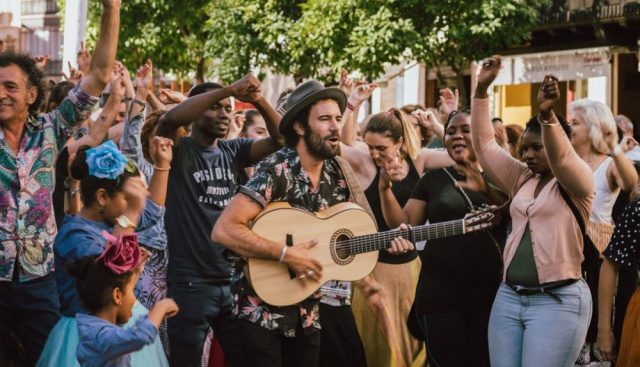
<point>382,240</point>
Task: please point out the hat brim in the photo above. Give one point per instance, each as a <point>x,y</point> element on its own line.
<point>286,123</point>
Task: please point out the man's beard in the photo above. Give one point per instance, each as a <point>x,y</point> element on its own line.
<point>316,145</point>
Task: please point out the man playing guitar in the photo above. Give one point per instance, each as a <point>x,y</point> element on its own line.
<point>304,174</point>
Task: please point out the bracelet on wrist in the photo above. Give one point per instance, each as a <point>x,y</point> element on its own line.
<point>617,150</point>
<point>161,169</point>
<point>350,106</point>
<point>546,122</point>
<point>283,252</point>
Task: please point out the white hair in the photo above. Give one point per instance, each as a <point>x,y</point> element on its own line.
<point>599,120</point>
<point>624,123</point>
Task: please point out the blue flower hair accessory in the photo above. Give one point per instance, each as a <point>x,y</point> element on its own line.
<point>106,161</point>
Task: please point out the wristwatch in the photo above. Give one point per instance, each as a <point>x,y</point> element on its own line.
<point>124,222</point>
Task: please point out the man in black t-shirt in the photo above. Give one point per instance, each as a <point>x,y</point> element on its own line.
<point>202,180</point>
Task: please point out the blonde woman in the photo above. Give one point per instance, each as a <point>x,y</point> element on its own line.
<point>594,137</point>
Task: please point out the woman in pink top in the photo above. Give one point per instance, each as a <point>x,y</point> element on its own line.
<point>542,309</point>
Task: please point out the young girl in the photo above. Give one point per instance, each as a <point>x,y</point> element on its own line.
<point>105,285</point>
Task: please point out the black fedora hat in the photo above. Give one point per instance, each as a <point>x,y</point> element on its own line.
<point>306,94</point>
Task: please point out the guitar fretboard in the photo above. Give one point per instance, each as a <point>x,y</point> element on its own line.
<point>378,241</point>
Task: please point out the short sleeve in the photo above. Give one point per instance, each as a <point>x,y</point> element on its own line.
<point>624,248</point>
<point>421,190</point>
<point>260,186</point>
<point>241,150</point>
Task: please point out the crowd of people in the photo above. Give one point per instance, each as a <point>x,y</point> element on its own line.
<point>126,224</point>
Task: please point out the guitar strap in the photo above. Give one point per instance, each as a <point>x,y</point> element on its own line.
<point>357,194</point>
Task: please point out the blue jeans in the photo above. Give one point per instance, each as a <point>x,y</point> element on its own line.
<point>202,306</point>
<point>537,330</point>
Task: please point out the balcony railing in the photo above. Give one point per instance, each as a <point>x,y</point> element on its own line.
<point>32,7</point>
<point>550,17</point>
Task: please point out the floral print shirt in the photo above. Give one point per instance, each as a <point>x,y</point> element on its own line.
<point>281,178</point>
<point>27,221</point>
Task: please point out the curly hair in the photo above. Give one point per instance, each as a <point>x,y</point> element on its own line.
<point>34,75</point>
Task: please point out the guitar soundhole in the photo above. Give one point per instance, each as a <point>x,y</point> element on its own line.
<point>340,247</point>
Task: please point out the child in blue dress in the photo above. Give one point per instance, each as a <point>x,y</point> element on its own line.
<point>106,288</point>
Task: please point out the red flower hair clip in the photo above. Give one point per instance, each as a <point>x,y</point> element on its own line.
<point>122,253</point>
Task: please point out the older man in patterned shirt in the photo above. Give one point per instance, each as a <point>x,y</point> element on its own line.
<point>29,146</point>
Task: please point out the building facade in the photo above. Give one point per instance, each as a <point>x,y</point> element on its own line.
<point>33,27</point>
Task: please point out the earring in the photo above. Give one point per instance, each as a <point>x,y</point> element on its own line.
<point>102,209</point>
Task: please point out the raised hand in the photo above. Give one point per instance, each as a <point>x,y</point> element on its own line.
<point>41,61</point>
<point>246,89</point>
<point>489,70</point>
<point>448,101</point>
<point>135,193</point>
<point>168,96</point>
<point>83,58</point>
<point>144,79</point>
<point>161,151</point>
<point>346,83</point>
<point>548,94</point>
<point>428,120</point>
<point>361,92</point>
<point>117,87</point>
<point>75,75</point>
<point>236,125</point>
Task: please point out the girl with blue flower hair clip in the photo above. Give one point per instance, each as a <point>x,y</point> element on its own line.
<point>116,200</point>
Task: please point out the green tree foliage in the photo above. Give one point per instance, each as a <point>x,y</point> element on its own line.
<point>170,32</point>
<point>317,38</point>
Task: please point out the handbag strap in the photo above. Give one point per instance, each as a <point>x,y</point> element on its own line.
<point>354,185</point>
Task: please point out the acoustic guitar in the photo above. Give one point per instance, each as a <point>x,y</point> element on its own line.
<point>347,249</point>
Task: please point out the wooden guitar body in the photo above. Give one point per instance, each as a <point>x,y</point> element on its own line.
<point>281,223</point>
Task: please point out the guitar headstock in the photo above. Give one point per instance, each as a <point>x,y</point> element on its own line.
<point>486,216</point>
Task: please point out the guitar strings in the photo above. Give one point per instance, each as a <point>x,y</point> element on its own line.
<point>360,244</point>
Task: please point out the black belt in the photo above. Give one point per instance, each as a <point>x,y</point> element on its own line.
<point>543,289</point>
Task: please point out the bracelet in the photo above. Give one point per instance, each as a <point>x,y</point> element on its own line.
<point>283,252</point>
<point>156,168</point>
<point>350,106</point>
<point>139,102</point>
<point>545,122</point>
<point>617,150</point>
<point>73,192</point>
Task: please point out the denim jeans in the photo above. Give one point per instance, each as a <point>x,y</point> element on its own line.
<point>202,306</point>
<point>537,330</point>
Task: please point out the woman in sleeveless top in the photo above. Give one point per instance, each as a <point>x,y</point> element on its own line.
<point>389,291</point>
<point>594,136</point>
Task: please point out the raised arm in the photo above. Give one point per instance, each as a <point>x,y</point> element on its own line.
<point>192,108</point>
<point>105,54</point>
<point>161,153</point>
<point>622,172</point>
<point>360,93</point>
<point>100,128</point>
<point>572,172</point>
<point>247,89</point>
<point>504,170</point>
